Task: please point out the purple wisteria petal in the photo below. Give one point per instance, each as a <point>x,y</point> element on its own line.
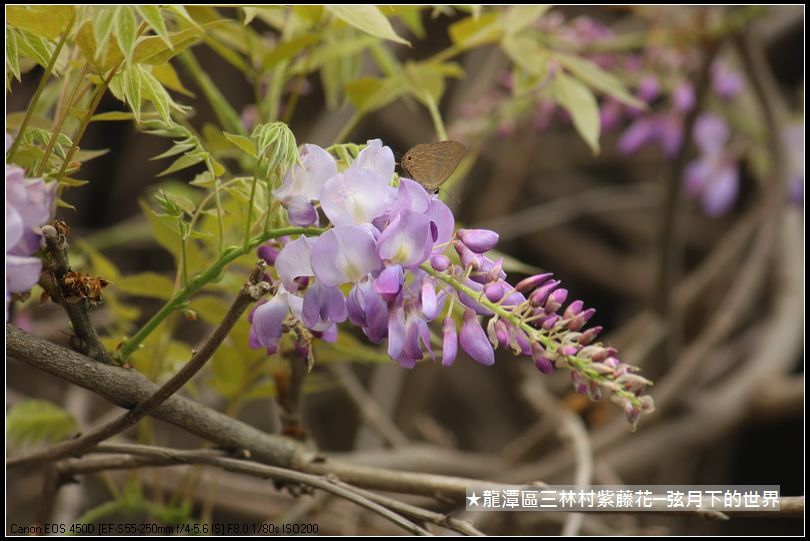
<point>376,157</point>
<point>323,306</point>
<point>726,83</point>
<point>269,253</point>
<point>34,201</point>
<point>721,191</point>
<point>697,176</point>
<point>344,254</point>
<point>683,97</point>
<point>368,310</point>
<point>478,240</point>
<point>389,282</point>
<point>407,240</point>
<point>307,179</point>
<point>356,196</point>
<point>410,196</point>
<point>22,272</point>
<point>417,335</point>
<point>474,340</point>
<point>442,221</point>
<point>449,342</point>
<point>294,261</point>
<point>14,226</point>
<point>648,88</point>
<point>301,211</point>
<point>268,320</point>
<point>396,337</point>
<point>640,132</point>
<point>429,301</point>
<point>711,133</point>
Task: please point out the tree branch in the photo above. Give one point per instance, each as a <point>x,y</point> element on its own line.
<point>128,388</point>
<point>57,267</point>
<point>253,290</point>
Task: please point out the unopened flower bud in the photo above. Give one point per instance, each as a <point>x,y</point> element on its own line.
<point>538,296</point>
<point>532,282</point>
<point>555,300</point>
<point>478,240</point>
<point>541,361</point>
<point>439,262</point>
<point>494,291</point>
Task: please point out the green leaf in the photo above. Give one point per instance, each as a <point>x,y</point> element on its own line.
<point>424,81</point>
<point>157,95</point>
<point>250,13</point>
<point>146,284</point>
<point>103,20</point>
<point>112,116</point>
<point>527,53</point>
<point>131,82</point>
<point>476,31</point>
<point>151,14</point>
<point>596,77</point>
<point>242,143</point>
<point>333,51</point>
<point>12,55</point>
<point>152,49</point>
<point>35,47</point>
<point>518,18</point>
<point>36,421</point>
<point>101,264</point>
<point>368,19</point>
<point>47,21</point>
<point>183,162</point>
<point>288,49</point>
<point>167,76</point>
<point>126,30</point>
<point>368,93</point>
<point>581,104</point>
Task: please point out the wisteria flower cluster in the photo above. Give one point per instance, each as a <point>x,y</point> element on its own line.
<point>29,204</point>
<point>393,247</point>
<point>661,77</point>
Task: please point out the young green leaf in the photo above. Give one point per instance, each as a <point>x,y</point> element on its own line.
<point>368,19</point>
<point>151,14</point>
<point>242,143</point>
<point>581,104</point>
<point>126,30</point>
<point>596,77</point>
<point>36,421</point>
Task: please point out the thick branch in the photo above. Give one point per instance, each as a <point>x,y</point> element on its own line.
<point>128,388</point>
<point>250,292</point>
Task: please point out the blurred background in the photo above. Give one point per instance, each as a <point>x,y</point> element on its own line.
<point>709,305</point>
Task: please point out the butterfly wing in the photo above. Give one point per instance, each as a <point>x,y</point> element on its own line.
<point>430,164</point>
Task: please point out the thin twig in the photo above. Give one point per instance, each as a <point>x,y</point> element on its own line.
<point>268,472</point>
<point>253,290</point>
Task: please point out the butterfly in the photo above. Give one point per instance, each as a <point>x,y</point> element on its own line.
<point>430,164</point>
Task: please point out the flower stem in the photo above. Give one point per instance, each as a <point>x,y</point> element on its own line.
<point>182,296</point>
<point>438,123</point>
